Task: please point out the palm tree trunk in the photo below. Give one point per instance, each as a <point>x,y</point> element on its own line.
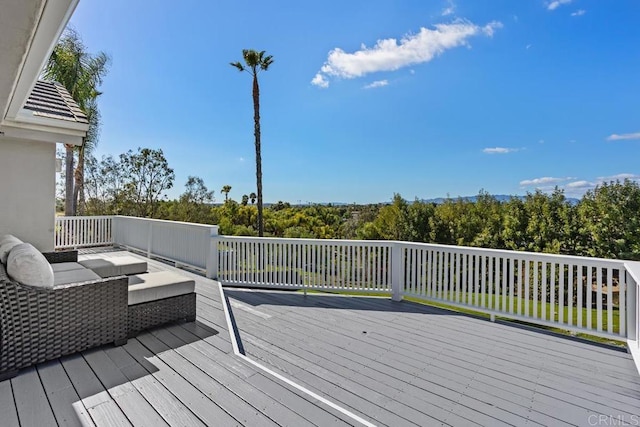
<point>78,191</point>
<point>256,133</point>
<point>68,188</point>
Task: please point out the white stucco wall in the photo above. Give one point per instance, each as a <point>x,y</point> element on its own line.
<point>27,191</point>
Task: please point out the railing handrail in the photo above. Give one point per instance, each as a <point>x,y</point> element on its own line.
<point>453,248</point>
<point>84,216</point>
<point>166,221</point>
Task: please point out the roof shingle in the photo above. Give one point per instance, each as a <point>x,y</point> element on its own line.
<point>52,100</point>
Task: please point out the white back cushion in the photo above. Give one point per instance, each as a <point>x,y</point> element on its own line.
<point>7,242</point>
<point>28,266</point>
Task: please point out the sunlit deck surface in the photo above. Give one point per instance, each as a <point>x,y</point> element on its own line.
<point>391,363</point>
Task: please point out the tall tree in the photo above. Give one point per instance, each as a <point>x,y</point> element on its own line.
<point>226,189</point>
<point>148,177</point>
<point>255,62</point>
<point>81,74</point>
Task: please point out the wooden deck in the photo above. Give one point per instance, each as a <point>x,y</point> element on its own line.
<point>391,363</point>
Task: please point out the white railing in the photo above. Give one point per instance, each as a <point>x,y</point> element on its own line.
<point>581,294</point>
<point>82,231</point>
<point>362,266</point>
<point>589,295</point>
<point>185,243</point>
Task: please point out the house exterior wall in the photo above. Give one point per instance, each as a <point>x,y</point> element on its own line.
<point>27,191</point>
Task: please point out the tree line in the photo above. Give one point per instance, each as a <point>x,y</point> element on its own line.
<point>604,223</point>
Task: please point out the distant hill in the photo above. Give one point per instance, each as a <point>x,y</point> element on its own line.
<point>499,197</point>
<point>437,201</point>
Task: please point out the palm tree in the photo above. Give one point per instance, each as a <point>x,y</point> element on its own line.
<point>226,189</point>
<point>255,62</point>
<point>253,196</point>
<point>81,74</point>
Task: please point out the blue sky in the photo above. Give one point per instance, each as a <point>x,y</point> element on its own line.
<point>367,98</point>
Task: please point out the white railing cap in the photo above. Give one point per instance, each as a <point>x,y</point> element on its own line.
<point>166,221</point>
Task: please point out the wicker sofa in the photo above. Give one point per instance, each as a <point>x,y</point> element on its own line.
<point>39,324</point>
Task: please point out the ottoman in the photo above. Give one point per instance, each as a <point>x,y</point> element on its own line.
<point>158,298</point>
<point>116,266</point>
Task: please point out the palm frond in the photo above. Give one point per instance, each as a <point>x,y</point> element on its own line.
<point>264,64</point>
<point>237,65</point>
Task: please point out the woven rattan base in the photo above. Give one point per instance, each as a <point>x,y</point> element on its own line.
<point>40,324</point>
<point>154,313</point>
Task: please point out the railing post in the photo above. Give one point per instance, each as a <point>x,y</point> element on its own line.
<point>632,309</point>
<point>150,239</point>
<point>115,230</point>
<point>397,271</point>
<point>212,258</point>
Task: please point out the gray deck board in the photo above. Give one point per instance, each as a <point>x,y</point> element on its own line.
<point>415,365</point>
<point>31,400</point>
<point>401,350</point>
<point>126,396</point>
<point>230,373</point>
<point>101,407</point>
<point>204,408</point>
<point>7,404</point>
<point>394,388</point>
<point>64,400</point>
<point>527,360</point>
<point>372,389</point>
<point>174,412</point>
<point>312,413</point>
<point>223,397</point>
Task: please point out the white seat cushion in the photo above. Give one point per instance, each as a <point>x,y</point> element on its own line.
<point>28,266</point>
<point>116,266</point>
<point>74,276</point>
<point>155,286</point>
<point>66,266</point>
<point>7,242</point>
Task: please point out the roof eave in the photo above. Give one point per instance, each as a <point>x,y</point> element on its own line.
<point>27,117</point>
<point>30,127</point>
<point>54,18</point>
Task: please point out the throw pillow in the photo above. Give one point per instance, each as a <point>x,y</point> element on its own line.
<point>28,266</point>
<point>7,242</point>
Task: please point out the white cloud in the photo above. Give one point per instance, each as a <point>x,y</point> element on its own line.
<point>557,3</point>
<point>579,12</point>
<point>500,150</point>
<point>580,184</point>
<point>376,84</point>
<point>450,9</point>
<point>545,180</point>
<point>624,136</point>
<point>619,177</point>
<point>391,54</point>
<point>575,188</point>
<point>320,81</point>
